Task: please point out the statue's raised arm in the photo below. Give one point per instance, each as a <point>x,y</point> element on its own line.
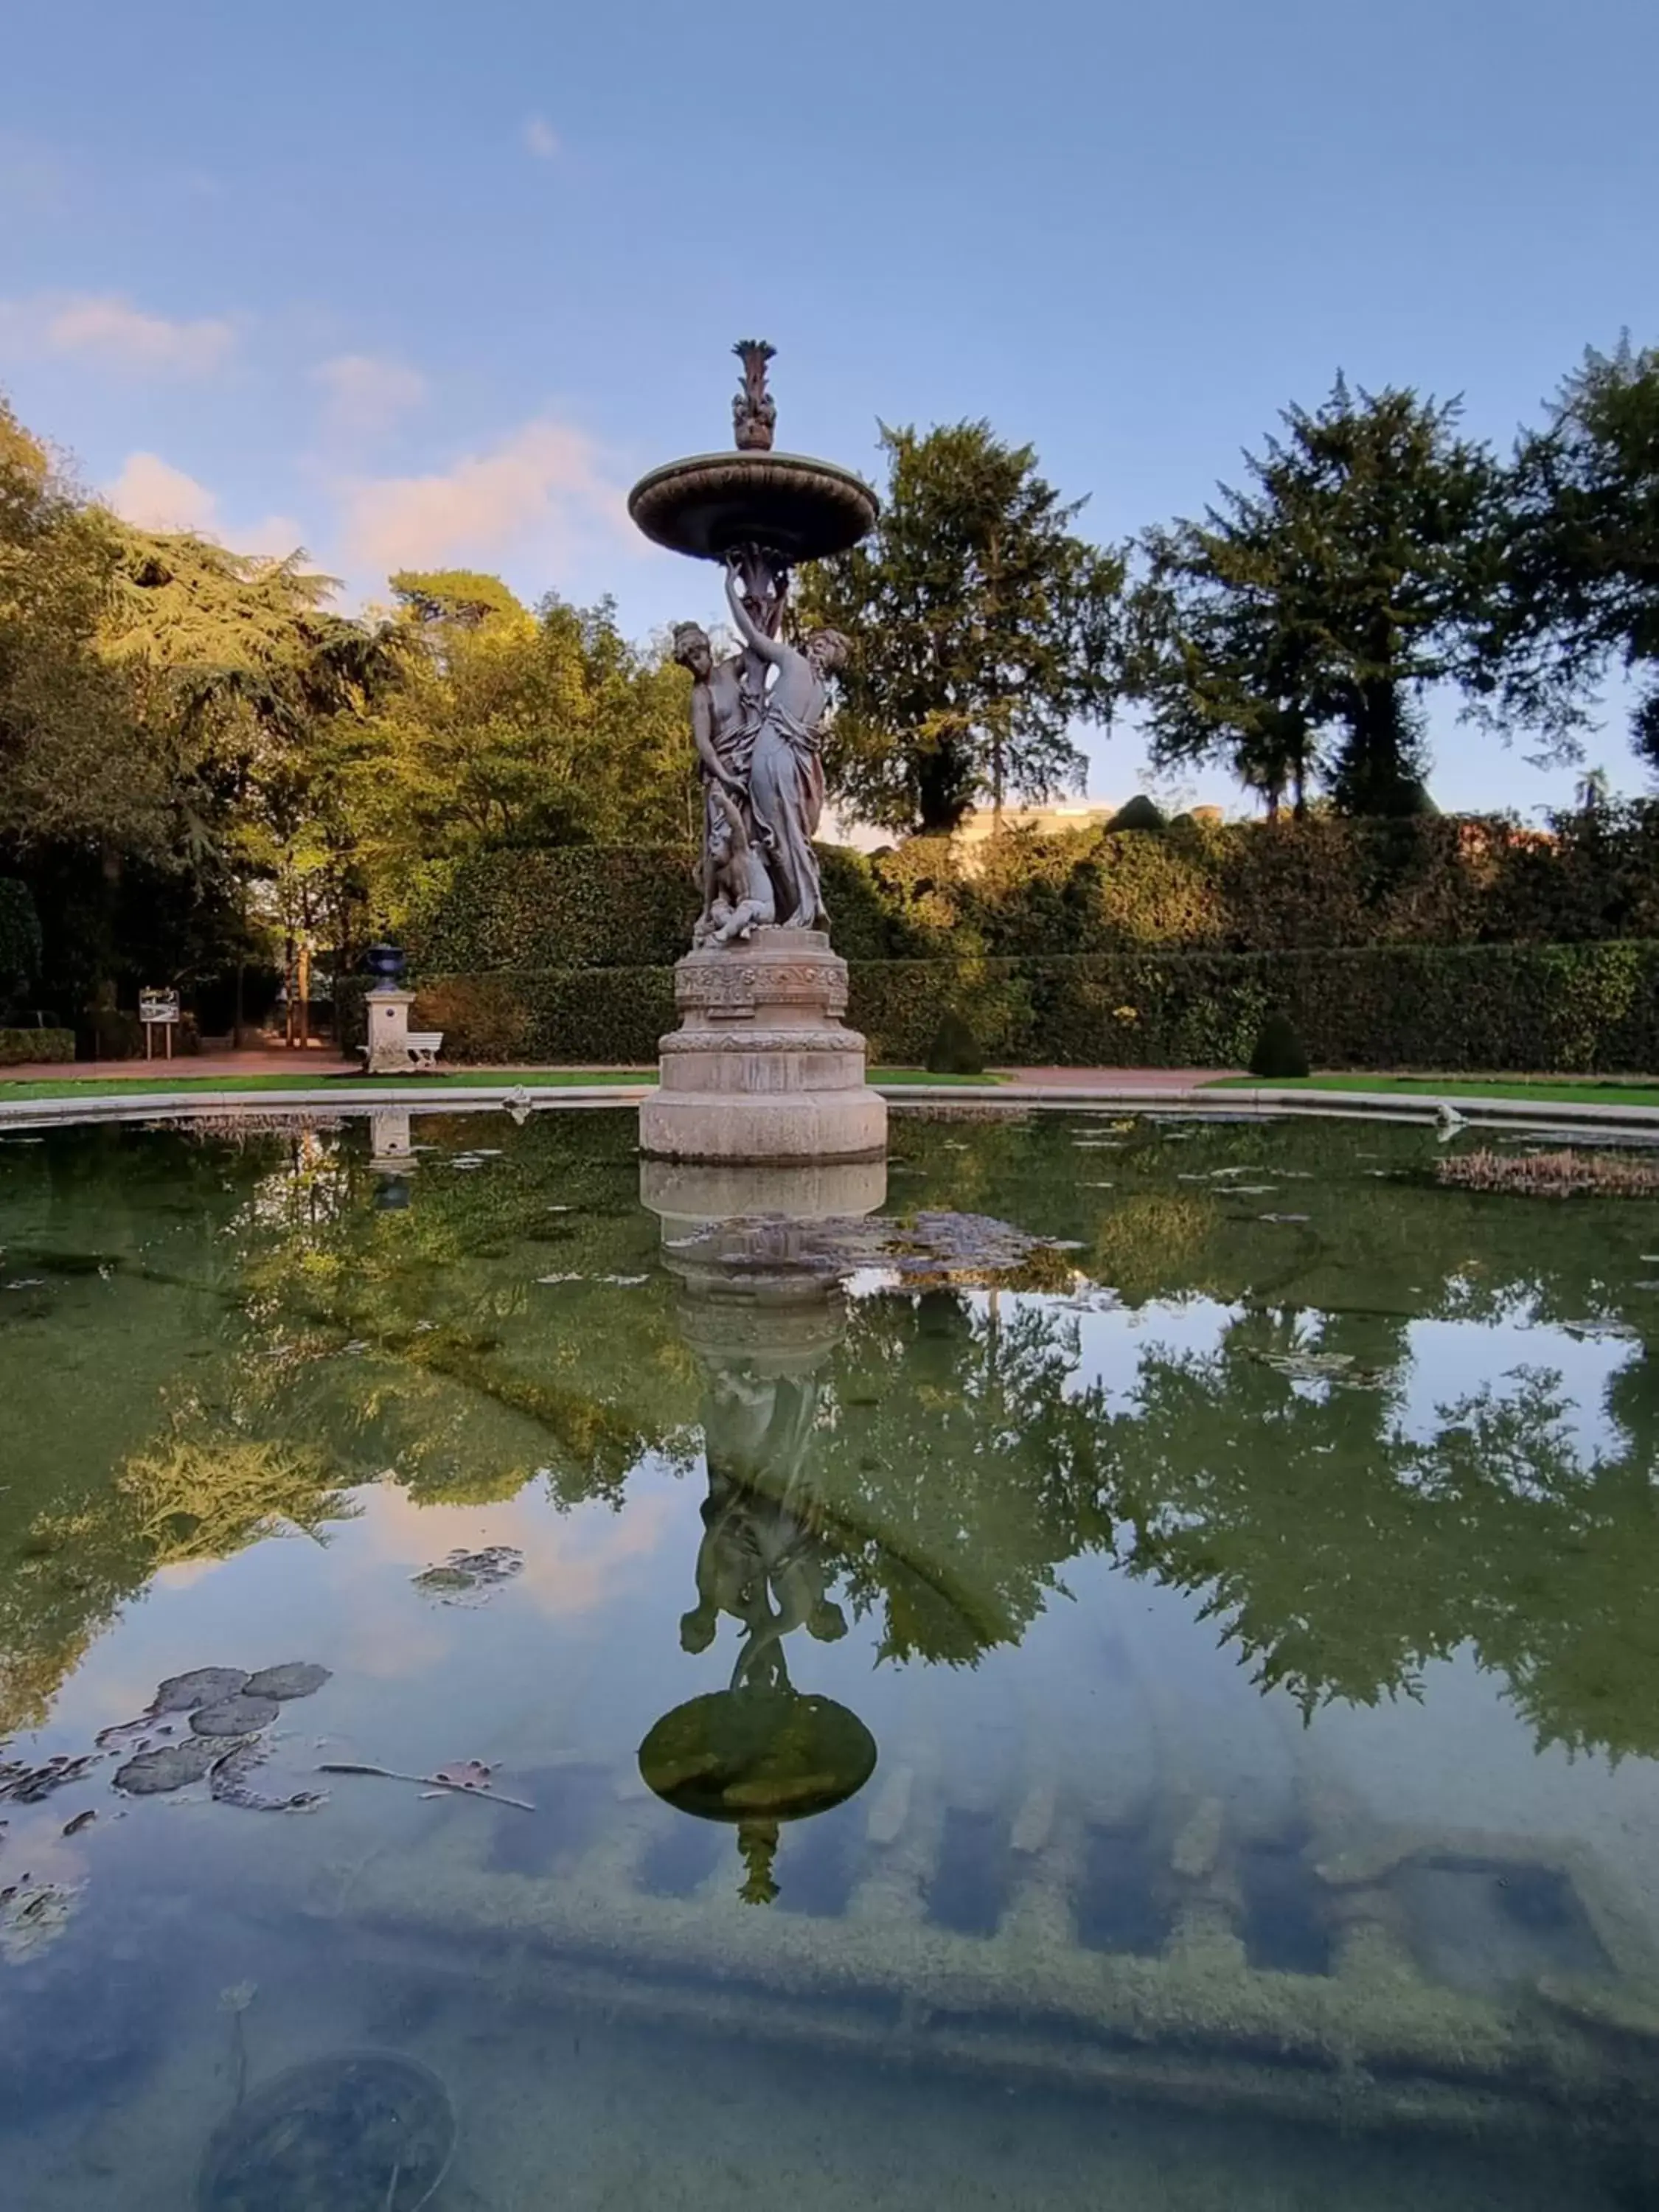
<point>769,648</point>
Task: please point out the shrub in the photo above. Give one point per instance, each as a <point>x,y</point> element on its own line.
<point>1529,1008</point>
<point>573,906</point>
<point>19,1047</point>
<point>20,940</point>
<point>1137,813</point>
<point>1279,1052</point>
<point>954,1050</point>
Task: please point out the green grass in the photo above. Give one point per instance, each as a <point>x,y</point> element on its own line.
<point>532,1079</point>
<point>1544,1089</point>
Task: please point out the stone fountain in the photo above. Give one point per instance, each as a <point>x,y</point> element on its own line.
<point>761,1069</point>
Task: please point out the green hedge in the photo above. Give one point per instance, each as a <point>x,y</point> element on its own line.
<point>574,906</point>
<point>19,1046</point>
<point>1525,1008</point>
<point>1238,887</point>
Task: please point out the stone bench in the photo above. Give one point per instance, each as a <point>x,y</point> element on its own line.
<point>422,1046</point>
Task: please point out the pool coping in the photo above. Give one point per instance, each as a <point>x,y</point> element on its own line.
<point>1241,1103</point>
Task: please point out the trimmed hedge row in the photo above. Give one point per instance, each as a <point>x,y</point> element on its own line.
<point>1529,1008</point>
<point>19,1046</point>
<point>1255,887</point>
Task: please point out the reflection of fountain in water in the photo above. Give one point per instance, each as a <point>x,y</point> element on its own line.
<point>762,1313</point>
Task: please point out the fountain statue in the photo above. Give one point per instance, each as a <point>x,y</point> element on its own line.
<point>763,1069</point>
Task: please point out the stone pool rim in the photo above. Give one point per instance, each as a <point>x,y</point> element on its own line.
<point>116,1104</point>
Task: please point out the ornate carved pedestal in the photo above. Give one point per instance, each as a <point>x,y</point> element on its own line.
<point>762,1068</point>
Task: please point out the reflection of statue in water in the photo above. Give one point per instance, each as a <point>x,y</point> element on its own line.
<point>785,769</point>
<point>759,1753</point>
<point>762,1564</point>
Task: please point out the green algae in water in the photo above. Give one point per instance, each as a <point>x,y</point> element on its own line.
<point>1205,1602</point>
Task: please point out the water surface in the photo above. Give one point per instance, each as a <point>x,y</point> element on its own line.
<point>1249,1591</point>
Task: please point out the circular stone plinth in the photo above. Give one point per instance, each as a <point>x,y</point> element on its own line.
<point>796,508</point>
<point>785,1127</point>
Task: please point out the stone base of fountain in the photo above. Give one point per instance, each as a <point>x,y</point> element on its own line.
<point>762,1070</point>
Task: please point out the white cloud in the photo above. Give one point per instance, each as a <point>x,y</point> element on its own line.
<point>155,495</point>
<point>367,392</point>
<point>109,331</point>
<point>541,138</point>
<point>541,490</point>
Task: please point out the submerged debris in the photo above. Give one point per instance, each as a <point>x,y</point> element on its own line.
<point>359,2132</point>
<point>469,1577</point>
<point>31,1915</point>
<point>239,1716</point>
<point>203,1685</point>
<point>475,1779</point>
<point>30,1785</point>
<point>172,1765</point>
<point>1564,1173</point>
<point>227,1778</point>
<point>294,1678</point>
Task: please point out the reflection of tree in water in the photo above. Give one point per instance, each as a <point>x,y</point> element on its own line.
<point>953,1462</point>
<point>1343,1554</point>
<point>960,1465</point>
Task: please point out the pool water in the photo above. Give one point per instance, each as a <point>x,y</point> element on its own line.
<point>1115,1662</point>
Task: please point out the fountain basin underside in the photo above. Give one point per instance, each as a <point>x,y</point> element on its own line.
<point>714,503</point>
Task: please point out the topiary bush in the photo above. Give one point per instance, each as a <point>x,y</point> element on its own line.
<point>955,1049</point>
<point>1280,1053</point>
<point>1137,813</point>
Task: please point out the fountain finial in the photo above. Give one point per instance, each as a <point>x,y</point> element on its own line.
<point>754,410</point>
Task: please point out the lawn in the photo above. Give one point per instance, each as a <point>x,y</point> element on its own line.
<point>1543,1090</point>
<point>532,1079</point>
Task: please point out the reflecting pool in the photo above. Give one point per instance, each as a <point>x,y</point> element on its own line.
<point>1115,1660</point>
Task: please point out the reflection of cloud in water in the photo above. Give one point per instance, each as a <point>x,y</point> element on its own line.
<point>182,1573</point>
<point>573,1563</point>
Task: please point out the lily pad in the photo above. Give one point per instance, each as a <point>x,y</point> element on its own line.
<point>239,1716</point>
<point>294,1678</point>
<point>203,1685</point>
<point>170,1767</point>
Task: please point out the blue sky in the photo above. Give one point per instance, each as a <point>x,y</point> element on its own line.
<point>416,284</point>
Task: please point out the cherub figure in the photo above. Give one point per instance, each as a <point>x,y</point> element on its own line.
<point>742,899</point>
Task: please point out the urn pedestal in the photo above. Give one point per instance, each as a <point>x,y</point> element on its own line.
<point>387,1012</point>
<point>761,1069</point>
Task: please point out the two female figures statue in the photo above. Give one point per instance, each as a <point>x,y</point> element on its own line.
<point>756,719</point>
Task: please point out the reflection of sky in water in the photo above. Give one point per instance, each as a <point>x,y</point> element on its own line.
<point>1122,1683</point>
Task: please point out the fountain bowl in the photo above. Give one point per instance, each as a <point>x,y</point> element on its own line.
<point>713,503</point>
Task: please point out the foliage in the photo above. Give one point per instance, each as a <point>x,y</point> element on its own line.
<point>1297,626</point>
<point>581,906</point>
<point>1582,573</point>
<point>1278,1051</point>
<point>512,729</point>
<point>20,940</point>
<point>1532,1008</point>
<point>19,1048</point>
<point>1137,813</point>
<point>955,1049</point>
<point>982,631</point>
<point>75,764</point>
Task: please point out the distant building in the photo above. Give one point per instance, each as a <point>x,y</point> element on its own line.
<point>1047,821</point>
